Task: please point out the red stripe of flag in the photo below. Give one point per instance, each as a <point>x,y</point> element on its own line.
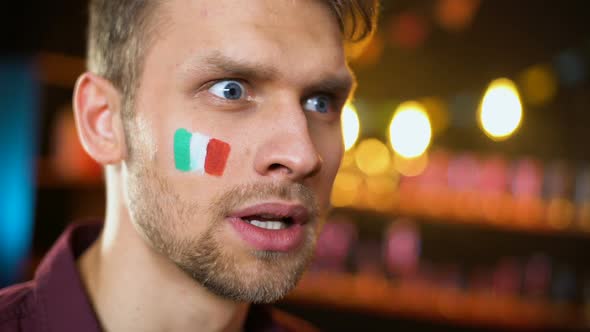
<point>217,154</point>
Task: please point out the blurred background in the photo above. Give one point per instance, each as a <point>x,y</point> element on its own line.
<point>463,200</point>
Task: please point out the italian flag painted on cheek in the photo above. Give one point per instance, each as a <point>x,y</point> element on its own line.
<point>194,152</point>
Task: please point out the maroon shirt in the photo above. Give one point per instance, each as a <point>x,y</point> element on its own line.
<point>56,301</point>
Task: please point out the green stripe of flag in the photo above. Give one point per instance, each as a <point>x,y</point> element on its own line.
<point>182,150</point>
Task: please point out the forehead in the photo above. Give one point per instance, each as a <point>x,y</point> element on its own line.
<point>299,37</point>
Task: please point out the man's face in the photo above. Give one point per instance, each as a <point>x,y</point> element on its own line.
<point>269,78</point>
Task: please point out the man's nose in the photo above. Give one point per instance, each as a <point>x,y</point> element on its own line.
<point>287,150</point>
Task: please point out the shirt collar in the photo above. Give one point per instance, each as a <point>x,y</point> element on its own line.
<point>63,299</point>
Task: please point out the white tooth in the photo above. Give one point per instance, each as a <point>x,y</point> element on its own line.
<point>257,223</point>
<point>273,225</point>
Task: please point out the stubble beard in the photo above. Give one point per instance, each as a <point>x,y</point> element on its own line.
<point>164,218</point>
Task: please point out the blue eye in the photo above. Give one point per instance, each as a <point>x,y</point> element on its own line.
<point>232,90</point>
<point>320,104</point>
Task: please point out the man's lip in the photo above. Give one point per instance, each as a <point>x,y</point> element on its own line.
<point>296,212</point>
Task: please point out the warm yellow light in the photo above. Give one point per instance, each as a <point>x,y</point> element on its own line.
<point>412,166</point>
<point>410,130</point>
<point>350,125</point>
<point>372,157</point>
<point>500,112</point>
<point>347,159</point>
<point>346,189</point>
<point>380,193</point>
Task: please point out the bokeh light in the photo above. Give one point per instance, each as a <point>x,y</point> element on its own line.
<point>347,159</point>
<point>380,192</point>
<point>464,172</point>
<point>346,189</point>
<point>337,238</point>
<point>455,15</point>
<point>372,157</point>
<point>500,112</point>
<point>410,131</point>
<point>402,248</point>
<point>527,178</point>
<point>382,185</point>
<point>538,85</point>
<point>409,30</point>
<point>410,166</point>
<point>494,175</point>
<point>560,213</point>
<point>350,126</point>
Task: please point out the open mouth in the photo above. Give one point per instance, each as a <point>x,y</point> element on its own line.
<point>269,221</point>
<point>274,216</point>
<point>272,226</point>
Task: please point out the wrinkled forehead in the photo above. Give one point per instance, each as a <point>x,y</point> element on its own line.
<point>297,36</point>
<point>270,13</point>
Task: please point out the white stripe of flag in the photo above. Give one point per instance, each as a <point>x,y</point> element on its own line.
<point>198,152</point>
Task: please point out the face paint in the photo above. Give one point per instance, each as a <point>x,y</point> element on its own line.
<point>194,152</point>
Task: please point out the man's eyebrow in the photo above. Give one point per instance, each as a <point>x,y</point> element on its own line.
<point>338,85</point>
<point>238,68</point>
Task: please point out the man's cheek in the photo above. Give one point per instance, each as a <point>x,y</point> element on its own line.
<point>195,152</point>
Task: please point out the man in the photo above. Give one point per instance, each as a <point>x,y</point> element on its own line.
<point>218,123</point>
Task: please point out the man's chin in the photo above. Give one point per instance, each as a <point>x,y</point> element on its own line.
<point>258,288</point>
<point>251,276</point>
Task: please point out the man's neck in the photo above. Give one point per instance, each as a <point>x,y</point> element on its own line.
<point>133,288</point>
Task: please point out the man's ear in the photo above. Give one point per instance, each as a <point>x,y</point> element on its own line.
<point>97,105</point>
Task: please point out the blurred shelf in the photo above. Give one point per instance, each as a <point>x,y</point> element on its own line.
<point>524,228</point>
<point>377,295</point>
<point>501,212</point>
<point>49,178</point>
<point>515,216</point>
